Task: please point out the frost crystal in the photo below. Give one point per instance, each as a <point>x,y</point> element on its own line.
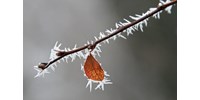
<point>157,15</point>
<point>168,9</point>
<point>54,51</point>
<point>40,72</point>
<point>100,83</point>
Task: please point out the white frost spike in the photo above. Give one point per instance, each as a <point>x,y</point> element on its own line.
<point>109,31</point>
<point>145,22</point>
<point>127,21</point>
<point>74,47</point>
<point>80,54</point>
<point>58,61</point>
<point>66,50</point>
<point>122,24</point>
<point>54,51</point>
<point>107,40</point>
<point>73,56</point>
<point>106,74</point>
<point>168,9</point>
<point>54,64</point>
<point>57,47</point>
<point>157,15</point>
<point>93,53</point>
<point>139,16</point>
<point>100,86</point>
<point>134,18</point>
<point>63,59</point>
<point>96,38</point>
<point>114,37</point>
<point>97,51</point>
<point>88,42</point>
<point>129,31</point>
<point>98,54</point>
<point>136,26</point>
<point>89,84</point>
<point>52,67</point>
<point>101,83</point>
<point>118,25</point>
<point>66,58</point>
<point>87,52</point>
<point>152,9</point>
<point>119,35</point>
<point>40,72</point>
<point>102,35</point>
<point>91,42</point>
<point>98,47</point>
<point>167,1</point>
<point>82,67</point>
<point>141,27</point>
<point>161,1</point>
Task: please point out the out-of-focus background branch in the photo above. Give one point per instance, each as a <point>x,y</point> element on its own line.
<point>141,67</point>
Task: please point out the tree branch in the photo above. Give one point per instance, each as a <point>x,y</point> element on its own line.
<point>62,54</point>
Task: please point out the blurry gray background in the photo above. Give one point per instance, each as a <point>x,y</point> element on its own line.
<point>143,67</point>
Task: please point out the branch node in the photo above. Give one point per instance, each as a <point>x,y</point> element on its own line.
<point>91,46</point>
<point>42,66</point>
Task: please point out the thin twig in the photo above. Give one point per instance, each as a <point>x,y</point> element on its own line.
<point>120,29</point>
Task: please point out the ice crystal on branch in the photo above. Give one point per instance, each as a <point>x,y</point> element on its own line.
<point>54,51</point>
<point>40,72</point>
